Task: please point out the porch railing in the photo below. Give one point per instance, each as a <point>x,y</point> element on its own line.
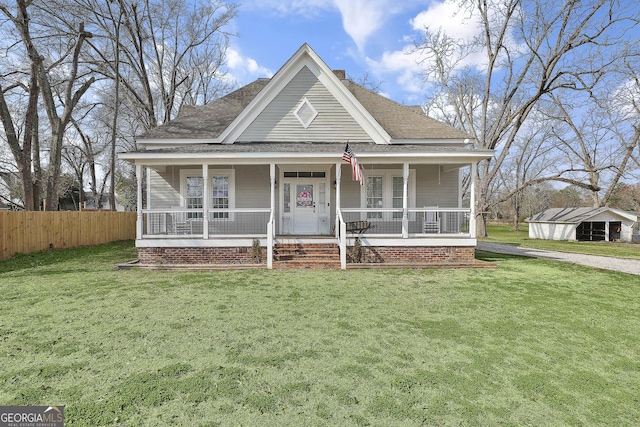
<point>183,223</point>
<point>419,222</point>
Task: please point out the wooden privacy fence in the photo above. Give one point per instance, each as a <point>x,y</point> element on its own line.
<point>25,232</point>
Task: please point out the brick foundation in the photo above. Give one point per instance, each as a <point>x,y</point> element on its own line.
<point>198,256</point>
<point>243,255</point>
<point>416,255</point>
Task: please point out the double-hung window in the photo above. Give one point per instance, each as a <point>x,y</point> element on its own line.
<point>384,190</point>
<point>221,192</point>
<point>194,196</point>
<point>398,194</point>
<point>221,196</point>
<point>374,196</point>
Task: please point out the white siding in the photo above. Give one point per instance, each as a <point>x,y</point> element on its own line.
<point>426,189</point>
<point>278,123</point>
<point>431,189</point>
<point>550,231</point>
<point>253,187</point>
<point>437,186</point>
<point>559,231</point>
<point>165,188</point>
<point>626,233</point>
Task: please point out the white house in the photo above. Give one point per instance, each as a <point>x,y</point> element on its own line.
<point>583,224</point>
<point>266,162</point>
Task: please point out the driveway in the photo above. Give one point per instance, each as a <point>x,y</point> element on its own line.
<point>631,266</point>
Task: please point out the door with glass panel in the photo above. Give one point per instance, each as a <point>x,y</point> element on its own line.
<point>305,211</point>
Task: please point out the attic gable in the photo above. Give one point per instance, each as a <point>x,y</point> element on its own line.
<point>305,57</point>
<point>304,110</point>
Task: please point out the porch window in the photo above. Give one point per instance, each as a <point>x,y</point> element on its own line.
<point>195,188</point>
<point>374,196</point>
<point>221,192</point>
<point>220,196</point>
<point>398,191</point>
<point>385,190</point>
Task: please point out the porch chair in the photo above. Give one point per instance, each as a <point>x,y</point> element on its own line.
<point>180,223</point>
<point>431,222</point>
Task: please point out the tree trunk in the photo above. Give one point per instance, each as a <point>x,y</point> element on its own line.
<point>55,168</point>
<point>516,214</point>
<point>116,106</point>
<point>482,209</point>
<point>30,147</point>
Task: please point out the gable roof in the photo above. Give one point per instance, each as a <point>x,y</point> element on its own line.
<point>576,215</point>
<point>223,120</point>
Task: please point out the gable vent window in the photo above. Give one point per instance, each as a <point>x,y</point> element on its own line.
<point>305,113</point>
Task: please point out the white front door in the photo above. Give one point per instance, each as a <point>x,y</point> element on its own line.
<point>305,212</point>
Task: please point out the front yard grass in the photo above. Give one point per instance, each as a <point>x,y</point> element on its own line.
<point>531,342</point>
<point>505,234</point>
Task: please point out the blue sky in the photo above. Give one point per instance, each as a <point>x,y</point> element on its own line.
<point>359,36</point>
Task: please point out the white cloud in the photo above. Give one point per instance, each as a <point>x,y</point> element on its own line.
<point>455,21</point>
<point>243,69</point>
<point>362,18</point>
<point>448,16</point>
<point>404,66</point>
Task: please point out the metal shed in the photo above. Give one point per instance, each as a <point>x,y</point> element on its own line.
<point>583,224</point>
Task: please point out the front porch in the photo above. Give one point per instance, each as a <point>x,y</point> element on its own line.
<point>243,213</point>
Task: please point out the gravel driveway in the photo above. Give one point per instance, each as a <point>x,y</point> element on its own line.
<point>631,266</point>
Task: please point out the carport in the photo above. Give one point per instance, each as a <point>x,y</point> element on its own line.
<point>583,224</point>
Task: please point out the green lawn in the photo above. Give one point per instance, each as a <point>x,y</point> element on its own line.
<point>531,342</point>
<point>505,234</point>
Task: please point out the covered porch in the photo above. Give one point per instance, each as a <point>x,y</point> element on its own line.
<point>404,211</point>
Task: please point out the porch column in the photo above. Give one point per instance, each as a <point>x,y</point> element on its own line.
<point>140,221</point>
<point>149,203</point>
<point>405,201</point>
<point>270,224</point>
<point>338,180</point>
<point>205,201</point>
<point>472,202</point>
<point>341,227</point>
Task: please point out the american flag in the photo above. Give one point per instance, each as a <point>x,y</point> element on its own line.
<point>350,158</point>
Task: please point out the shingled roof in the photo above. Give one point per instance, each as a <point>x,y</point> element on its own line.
<point>401,122</point>
<point>575,215</point>
<point>208,121</point>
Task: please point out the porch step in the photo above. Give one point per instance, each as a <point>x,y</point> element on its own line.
<point>306,255</point>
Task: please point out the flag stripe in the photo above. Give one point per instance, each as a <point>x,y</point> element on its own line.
<point>349,157</point>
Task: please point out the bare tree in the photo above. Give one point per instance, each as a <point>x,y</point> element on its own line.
<point>624,105</point>
<point>27,153</point>
<point>595,147</point>
<point>65,65</point>
<point>529,51</point>
<point>532,155</point>
<point>169,52</point>
<point>158,55</point>
<point>144,59</point>
<point>82,155</point>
